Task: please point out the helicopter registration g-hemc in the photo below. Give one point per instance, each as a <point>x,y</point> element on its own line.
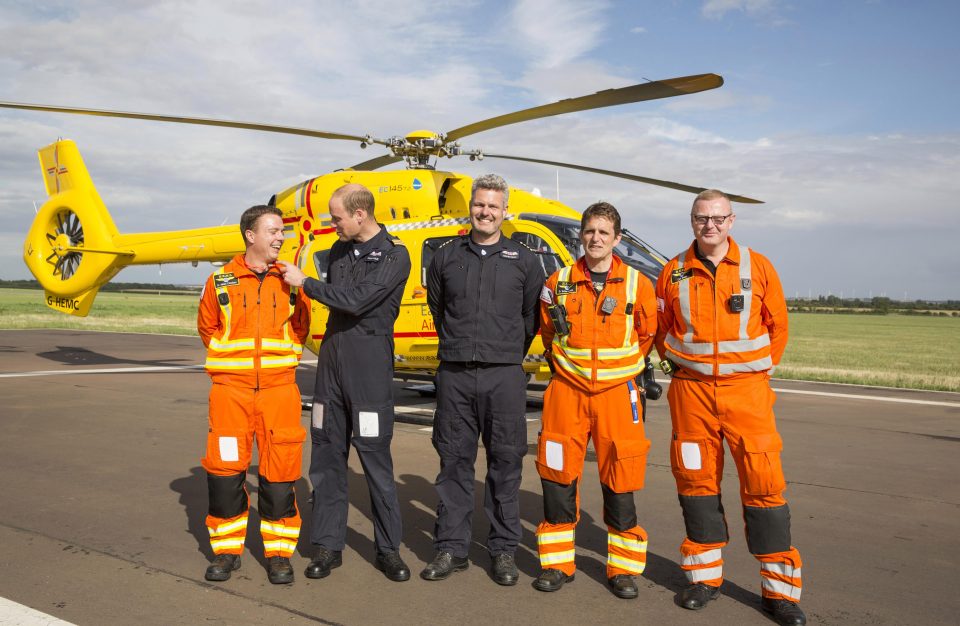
<point>73,246</point>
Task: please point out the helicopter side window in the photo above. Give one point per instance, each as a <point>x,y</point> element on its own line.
<point>429,247</point>
<point>321,263</point>
<point>549,260</point>
<point>639,255</point>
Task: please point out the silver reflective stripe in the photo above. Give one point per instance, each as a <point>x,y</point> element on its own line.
<point>784,589</point>
<point>709,573</point>
<point>760,365</point>
<point>782,569</point>
<point>701,347</point>
<point>633,278</point>
<point>703,368</point>
<point>684,295</point>
<point>704,558</point>
<point>748,296</point>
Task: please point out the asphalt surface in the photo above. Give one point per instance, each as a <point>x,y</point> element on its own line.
<point>103,505</point>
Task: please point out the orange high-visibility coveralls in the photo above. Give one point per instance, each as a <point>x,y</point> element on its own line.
<point>593,394</point>
<point>720,390</point>
<point>254,332</point>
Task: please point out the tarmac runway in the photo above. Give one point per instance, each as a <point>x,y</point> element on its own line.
<point>103,505</point>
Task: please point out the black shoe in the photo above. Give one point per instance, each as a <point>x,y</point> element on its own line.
<point>279,570</point>
<point>222,566</point>
<point>325,561</point>
<point>504,570</point>
<point>393,566</point>
<point>784,612</point>
<point>623,586</point>
<point>551,580</point>
<point>696,596</point>
<point>443,565</point>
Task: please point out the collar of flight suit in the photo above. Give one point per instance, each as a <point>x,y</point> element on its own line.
<point>374,243</point>
<point>240,267</point>
<point>580,272</point>
<point>732,256</point>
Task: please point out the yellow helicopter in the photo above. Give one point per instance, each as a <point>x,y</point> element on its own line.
<point>73,246</point>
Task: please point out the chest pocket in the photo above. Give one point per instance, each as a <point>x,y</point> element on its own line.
<point>507,288</point>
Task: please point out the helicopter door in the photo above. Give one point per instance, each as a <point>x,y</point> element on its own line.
<point>549,259</point>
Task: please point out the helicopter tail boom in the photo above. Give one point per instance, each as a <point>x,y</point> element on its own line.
<point>73,246</point>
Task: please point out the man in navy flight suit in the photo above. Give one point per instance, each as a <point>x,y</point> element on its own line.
<point>483,291</point>
<point>353,398</point>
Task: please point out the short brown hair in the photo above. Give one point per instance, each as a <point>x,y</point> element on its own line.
<point>709,194</point>
<point>355,196</point>
<point>248,220</point>
<point>601,209</point>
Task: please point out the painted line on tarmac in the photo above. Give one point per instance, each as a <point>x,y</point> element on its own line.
<point>114,370</point>
<point>13,613</point>
<point>854,396</point>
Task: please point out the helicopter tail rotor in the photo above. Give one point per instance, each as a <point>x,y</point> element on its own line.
<point>70,248</point>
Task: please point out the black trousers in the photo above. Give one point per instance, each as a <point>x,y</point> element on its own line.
<point>487,402</point>
<point>353,403</point>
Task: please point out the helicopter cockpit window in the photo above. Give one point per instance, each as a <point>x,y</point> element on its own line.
<point>566,230</point>
<point>549,259</point>
<point>320,262</point>
<point>429,247</point>
<point>640,255</point>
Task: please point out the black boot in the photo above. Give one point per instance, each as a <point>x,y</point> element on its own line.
<point>784,612</point>
<point>443,565</point>
<point>551,580</point>
<point>279,570</point>
<point>325,561</point>
<point>222,566</point>
<point>623,586</point>
<point>393,566</point>
<point>696,596</point>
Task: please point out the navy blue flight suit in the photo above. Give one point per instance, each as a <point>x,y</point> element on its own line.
<point>353,396</point>
<point>484,302</point>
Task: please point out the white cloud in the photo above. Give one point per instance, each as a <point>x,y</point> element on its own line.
<point>555,32</point>
<point>717,9</point>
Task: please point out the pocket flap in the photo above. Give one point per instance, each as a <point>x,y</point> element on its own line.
<point>630,448</point>
<point>297,434</point>
<point>767,442</point>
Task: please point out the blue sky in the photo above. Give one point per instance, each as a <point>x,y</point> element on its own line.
<point>841,115</point>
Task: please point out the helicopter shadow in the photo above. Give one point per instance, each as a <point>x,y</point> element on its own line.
<point>70,355</point>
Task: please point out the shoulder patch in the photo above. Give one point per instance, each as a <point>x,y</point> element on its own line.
<point>546,294</point>
<point>225,280</point>
<point>565,287</point>
<point>679,274</point>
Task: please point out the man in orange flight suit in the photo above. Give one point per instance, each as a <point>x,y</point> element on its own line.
<point>723,328</point>
<point>595,354</point>
<point>253,327</point>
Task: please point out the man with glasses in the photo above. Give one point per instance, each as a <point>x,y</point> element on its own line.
<point>722,329</point>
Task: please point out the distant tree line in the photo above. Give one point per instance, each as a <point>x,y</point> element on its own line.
<point>33,284</point>
<point>879,305</point>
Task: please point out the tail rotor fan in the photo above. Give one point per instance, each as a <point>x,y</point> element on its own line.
<point>65,233</point>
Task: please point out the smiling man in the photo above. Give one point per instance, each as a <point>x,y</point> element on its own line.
<point>482,291</point>
<point>253,327</point>
<point>598,318</point>
<point>722,330</point>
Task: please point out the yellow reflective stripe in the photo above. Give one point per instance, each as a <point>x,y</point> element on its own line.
<point>281,344</point>
<point>231,542</point>
<point>228,364</point>
<point>563,277</point>
<point>573,368</point>
<point>618,353</point>
<point>229,527</point>
<point>573,353</point>
<point>231,345</point>
<point>546,539</point>
<point>279,529</point>
<point>279,361</point>
<point>624,542</point>
<point>630,565</point>
<point>632,281</point>
<point>557,557</point>
<point>223,307</point>
<point>280,545</point>
<point>619,372</point>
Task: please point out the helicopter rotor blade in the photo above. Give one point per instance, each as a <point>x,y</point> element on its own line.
<point>375,163</point>
<point>606,98</point>
<point>177,119</point>
<point>634,177</point>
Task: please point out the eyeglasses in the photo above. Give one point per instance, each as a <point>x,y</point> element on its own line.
<point>718,220</point>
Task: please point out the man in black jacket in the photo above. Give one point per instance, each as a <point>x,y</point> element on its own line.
<point>483,291</point>
<point>353,397</point>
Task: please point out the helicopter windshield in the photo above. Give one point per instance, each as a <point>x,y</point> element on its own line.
<point>634,251</point>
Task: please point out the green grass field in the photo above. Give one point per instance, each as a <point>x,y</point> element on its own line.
<point>892,350</point>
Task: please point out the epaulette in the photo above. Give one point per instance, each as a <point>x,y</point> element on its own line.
<point>524,245</point>
<point>448,242</point>
<point>396,240</point>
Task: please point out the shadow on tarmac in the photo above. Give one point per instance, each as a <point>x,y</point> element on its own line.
<point>69,355</point>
